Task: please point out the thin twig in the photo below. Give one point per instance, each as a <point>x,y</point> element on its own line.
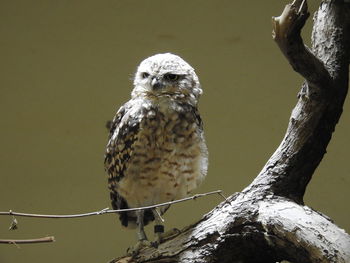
<point>27,241</point>
<point>224,197</point>
<point>159,215</point>
<point>108,211</point>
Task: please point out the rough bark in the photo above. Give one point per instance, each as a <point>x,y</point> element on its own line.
<point>267,221</point>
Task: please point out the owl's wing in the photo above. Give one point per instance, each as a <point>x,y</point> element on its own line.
<point>122,136</point>
<point>198,118</point>
<point>124,130</point>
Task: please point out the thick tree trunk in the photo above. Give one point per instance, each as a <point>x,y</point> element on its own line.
<point>267,221</point>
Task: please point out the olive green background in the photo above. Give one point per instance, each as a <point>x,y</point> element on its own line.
<point>66,67</point>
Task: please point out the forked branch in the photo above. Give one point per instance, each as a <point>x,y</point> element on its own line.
<point>321,99</point>
<point>286,32</point>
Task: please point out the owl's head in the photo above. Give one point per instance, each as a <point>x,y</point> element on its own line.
<point>166,74</point>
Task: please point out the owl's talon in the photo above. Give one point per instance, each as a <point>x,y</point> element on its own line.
<point>161,237</point>
<point>155,244</point>
<point>134,250</point>
<point>169,234</point>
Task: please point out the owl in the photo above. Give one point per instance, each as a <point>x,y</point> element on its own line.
<point>156,151</point>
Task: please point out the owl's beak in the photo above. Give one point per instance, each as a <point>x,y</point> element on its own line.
<point>156,84</point>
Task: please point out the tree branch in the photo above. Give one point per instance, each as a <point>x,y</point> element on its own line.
<point>27,241</point>
<point>286,33</point>
<point>320,101</point>
<point>267,222</point>
<point>109,211</point>
<point>266,230</point>
<point>280,216</point>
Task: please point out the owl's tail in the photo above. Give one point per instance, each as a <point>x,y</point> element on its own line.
<point>128,219</point>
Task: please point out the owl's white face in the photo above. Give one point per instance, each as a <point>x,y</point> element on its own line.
<point>166,74</point>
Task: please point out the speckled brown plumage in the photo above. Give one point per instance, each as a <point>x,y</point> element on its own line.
<point>156,150</point>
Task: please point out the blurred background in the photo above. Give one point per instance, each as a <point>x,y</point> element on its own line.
<point>66,67</point>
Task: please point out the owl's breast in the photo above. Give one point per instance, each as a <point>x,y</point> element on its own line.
<point>169,158</point>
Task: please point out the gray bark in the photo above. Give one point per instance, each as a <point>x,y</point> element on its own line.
<point>267,221</point>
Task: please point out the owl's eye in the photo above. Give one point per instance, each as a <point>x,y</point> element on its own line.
<point>144,75</point>
<point>171,77</point>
